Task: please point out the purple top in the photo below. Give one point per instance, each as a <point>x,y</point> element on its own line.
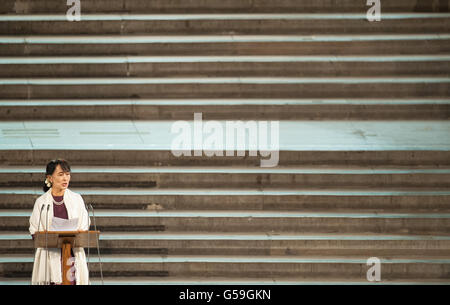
<point>60,211</point>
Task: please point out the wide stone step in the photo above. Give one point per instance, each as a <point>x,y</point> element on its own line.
<point>226,177</point>
<point>216,45</point>
<point>224,66</point>
<point>301,267</point>
<point>241,282</point>
<point>249,244</point>
<point>254,221</point>
<point>199,281</point>
<point>231,87</point>
<point>133,157</point>
<point>213,199</point>
<point>222,109</point>
<point>149,143</point>
<point>100,157</point>
<point>240,24</point>
<point>212,6</point>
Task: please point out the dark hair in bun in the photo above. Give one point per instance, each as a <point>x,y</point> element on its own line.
<point>51,166</point>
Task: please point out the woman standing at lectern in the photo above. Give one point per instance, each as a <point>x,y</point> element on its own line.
<point>58,201</point>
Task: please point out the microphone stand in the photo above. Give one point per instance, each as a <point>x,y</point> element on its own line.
<point>98,247</point>
<point>39,226</point>
<point>46,243</point>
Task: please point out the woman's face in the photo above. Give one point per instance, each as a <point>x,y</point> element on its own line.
<point>59,179</point>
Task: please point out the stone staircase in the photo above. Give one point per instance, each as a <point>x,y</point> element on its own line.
<point>364,164</point>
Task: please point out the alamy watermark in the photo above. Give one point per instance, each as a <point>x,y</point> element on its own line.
<point>74,12</point>
<point>215,138</point>
<point>70,273</point>
<point>374,272</point>
<point>374,13</point>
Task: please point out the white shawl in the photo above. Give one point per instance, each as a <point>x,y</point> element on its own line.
<point>75,209</point>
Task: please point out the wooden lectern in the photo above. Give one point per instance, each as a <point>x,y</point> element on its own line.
<point>66,240</point>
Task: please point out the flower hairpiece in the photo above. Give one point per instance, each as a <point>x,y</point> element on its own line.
<point>47,183</point>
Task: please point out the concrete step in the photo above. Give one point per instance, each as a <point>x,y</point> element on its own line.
<point>239,24</point>
<point>223,109</point>
<point>255,281</point>
<point>199,281</point>
<point>97,156</point>
<point>220,45</point>
<point>302,267</point>
<point>213,6</point>
<point>224,66</point>
<point>254,221</point>
<point>236,177</point>
<point>254,245</point>
<point>149,143</point>
<point>213,199</point>
<point>231,87</point>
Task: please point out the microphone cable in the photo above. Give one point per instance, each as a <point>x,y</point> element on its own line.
<point>89,245</point>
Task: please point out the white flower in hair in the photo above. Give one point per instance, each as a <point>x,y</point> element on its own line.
<point>47,183</point>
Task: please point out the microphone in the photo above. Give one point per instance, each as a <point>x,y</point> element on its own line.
<point>46,243</point>
<point>98,247</point>
<point>40,215</point>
